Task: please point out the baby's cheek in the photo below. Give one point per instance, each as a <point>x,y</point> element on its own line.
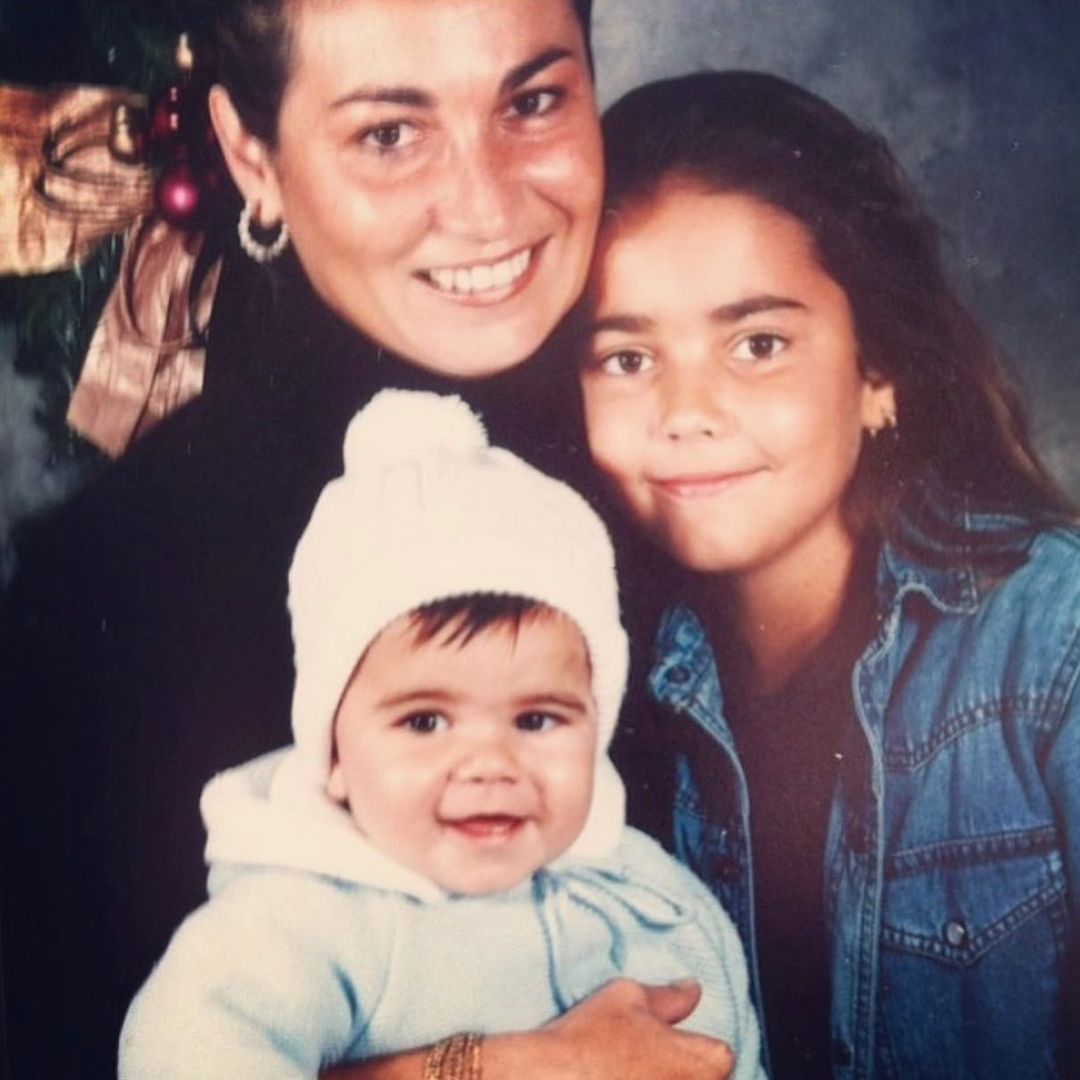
<point>570,787</point>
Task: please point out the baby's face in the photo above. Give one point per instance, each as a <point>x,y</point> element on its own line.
<point>471,764</point>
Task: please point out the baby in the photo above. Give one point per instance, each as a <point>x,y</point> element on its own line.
<point>443,849</point>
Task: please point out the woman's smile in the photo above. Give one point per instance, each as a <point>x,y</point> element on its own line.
<point>488,282</point>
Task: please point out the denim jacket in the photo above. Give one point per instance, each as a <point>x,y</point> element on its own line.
<point>952,864</point>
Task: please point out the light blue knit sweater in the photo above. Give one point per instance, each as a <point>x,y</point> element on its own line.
<point>288,968</point>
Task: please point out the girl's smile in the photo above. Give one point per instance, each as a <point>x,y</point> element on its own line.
<point>701,485</point>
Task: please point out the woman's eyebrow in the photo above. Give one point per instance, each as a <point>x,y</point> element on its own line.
<point>410,96</point>
<point>521,74</point>
<point>416,98</point>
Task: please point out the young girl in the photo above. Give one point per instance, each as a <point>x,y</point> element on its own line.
<point>872,707</point>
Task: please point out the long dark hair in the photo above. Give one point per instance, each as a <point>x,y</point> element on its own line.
<point>254,52</point>
<point>760,135</point>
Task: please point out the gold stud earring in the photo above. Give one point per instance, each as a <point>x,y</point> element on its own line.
<point>888,422</point>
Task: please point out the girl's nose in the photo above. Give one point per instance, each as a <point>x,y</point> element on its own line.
<point>693,405</point>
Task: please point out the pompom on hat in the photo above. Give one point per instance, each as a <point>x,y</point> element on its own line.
<point>427,510</point>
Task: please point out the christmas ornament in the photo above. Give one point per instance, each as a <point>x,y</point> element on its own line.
<point>182,145</point>
<point>180,195</point>
<point>176,110</point>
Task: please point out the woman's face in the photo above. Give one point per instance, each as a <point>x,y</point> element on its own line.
<point>722,390</point>
<point>439,167</point>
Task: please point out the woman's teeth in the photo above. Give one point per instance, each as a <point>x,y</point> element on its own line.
<point>481,278</point>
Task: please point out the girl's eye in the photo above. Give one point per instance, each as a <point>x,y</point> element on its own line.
<point>389,137</point>
<point>760,347</point>
<point>536,721</point>
<point>626,362</point>
<point>535,102</point>
<point>425,723</point>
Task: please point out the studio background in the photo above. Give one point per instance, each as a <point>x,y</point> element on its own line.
<point>979,98</point>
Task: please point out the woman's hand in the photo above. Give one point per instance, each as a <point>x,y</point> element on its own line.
<point>625,1029</point>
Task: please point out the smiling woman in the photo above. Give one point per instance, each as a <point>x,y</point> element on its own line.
<point>437,164</point>
<point>438,168</point>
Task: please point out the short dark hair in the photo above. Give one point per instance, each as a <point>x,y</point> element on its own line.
<point>465,616</point>
<point>760,135</point>
<point>254,47</point>
<point>470,614</point>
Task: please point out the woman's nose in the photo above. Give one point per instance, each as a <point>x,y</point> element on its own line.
<point>480,192</point>
<point>693,405</point>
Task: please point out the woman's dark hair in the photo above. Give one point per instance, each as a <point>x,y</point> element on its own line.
<point>762,136</point>
<point>254,49</point>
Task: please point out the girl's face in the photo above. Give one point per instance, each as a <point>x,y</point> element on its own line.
<point>439,168</point>
<point>722,389</point>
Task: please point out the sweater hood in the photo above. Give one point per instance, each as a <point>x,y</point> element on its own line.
<point>267,813</point>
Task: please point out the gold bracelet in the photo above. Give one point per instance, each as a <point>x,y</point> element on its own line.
<point>455,1058</point>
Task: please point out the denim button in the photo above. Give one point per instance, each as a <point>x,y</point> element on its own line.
<point>679,675</point>
<point>956,933</point>
<point>859,836</point>
<point>725,868</point>
<point>841,1052</point>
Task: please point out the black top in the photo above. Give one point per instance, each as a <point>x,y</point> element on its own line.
<point>147,646</point>
<point>791,744</point>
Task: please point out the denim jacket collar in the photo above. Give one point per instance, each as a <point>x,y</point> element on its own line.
<point>945,551</point>
<point>685,675</point>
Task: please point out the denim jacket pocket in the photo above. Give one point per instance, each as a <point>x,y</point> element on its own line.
<point>954,901</point>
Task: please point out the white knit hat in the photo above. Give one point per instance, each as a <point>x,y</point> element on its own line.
<point>427,510</point>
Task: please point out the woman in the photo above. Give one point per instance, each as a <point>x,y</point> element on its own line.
<point>876,692</point>
<point>437,164</point>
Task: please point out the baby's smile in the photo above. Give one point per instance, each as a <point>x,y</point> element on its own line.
<point>470,762</point>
